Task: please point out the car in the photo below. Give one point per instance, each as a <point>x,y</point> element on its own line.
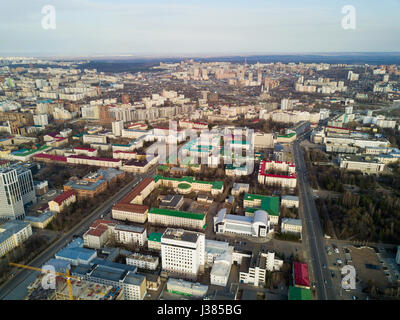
<point>354,297</point>
<point>324,266</point>
<point>325,281</point>
<point>332,274</point>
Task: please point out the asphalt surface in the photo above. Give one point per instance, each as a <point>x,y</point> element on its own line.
<point>312,231</point>
<point>6,290</point>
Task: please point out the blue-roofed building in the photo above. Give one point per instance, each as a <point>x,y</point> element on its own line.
<point>115,265</point>
<point>133,284</point>
<point>58,265</point>
<point>76,243</point>
<point>76,255</point>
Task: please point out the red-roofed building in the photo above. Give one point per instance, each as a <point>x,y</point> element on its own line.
<point>94,161</point>
<point>131,207</point>
<point>63,200</point>
<point>98,234</point>
<point>300,275</point>
<point>44,157</point>
<point>286,179</point>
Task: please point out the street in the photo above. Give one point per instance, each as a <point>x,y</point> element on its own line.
<point>312,231</point>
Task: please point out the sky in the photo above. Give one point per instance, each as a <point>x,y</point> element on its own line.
<point>191,27</point>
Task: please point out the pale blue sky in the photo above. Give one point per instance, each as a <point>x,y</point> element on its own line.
<point>163,27</point>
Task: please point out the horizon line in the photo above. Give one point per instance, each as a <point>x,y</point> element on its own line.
<point>193,55</point>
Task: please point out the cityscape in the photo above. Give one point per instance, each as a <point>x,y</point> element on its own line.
<point>200,177</point>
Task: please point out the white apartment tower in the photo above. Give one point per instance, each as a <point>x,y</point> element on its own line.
<point>11,204</point>
<point>117,127</point>
<point>16,190</point>
<point>183,252</point>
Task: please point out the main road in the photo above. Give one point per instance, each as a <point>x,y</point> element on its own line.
<point>312,233</point>
<point>15,287</point>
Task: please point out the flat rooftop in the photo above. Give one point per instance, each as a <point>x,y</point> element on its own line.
<point>180,235</point>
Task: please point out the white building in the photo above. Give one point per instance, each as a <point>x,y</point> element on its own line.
<point>221,269</point>
<point>183,252</point>
<point>130,235</point>
<point>253,271</point>
<point>16,190</point>
<point>41,120</point>
<point>142,261</point>
<point>117,127</point>
<point>294,226</point>
<point>255,226</point>
<point>186,288</point>
<point>290,201</point>
<point>13,234</point>
<point>361,164</point>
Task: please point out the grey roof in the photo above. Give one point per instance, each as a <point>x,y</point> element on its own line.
<point>8,229</point>
<point>180,234</point>
<point>292,198</point>
<point>296,222</point>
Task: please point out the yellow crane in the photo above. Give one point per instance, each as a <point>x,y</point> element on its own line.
<point>65,275</point>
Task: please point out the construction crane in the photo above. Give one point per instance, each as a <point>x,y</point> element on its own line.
<point>65,275</point>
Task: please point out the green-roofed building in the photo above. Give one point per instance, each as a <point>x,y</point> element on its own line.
<point>163,168</point>
<point>296,293</point>
<point>215,187</point>
<point>174,218</point>
<point>254,202</point>
<point>154,241</point>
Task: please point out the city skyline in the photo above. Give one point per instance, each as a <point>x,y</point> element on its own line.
<point>101,28</point>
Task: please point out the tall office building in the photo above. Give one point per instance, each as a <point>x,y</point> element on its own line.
<point>183,252</point>
<point>16,191</point>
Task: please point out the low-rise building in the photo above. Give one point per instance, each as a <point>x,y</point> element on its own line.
<point>132,284</point>
<point>42,220</point>
<point>76,255</point>
<point>221,269</point>
<point>142,261</point>
<point>290,201</point>
<point>364,164</point>
<point>296,293</point>
<point>154,241</point>
<point>186,288</point>
<point>174,218</point>
<point>256,226</point>
<point>239,188</point>
<point>254,202</point>
<point>294,226</point>
<point>131,207</point>
<point>130,235</point>
<point>59,203</point>
<point>13,234</point>
<point>300,275</point>
<point>98,234</point>
<point>253,271</point>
